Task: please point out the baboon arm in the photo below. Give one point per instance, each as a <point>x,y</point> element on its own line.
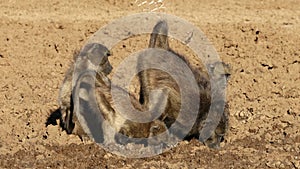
<point>65,102</point>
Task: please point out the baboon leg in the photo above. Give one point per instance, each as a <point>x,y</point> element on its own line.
<point>86,109</point>
<point>217,135</point>
<point>158,102</point>
<point>216,122</point>
<point>78,130</point>
<point>158,128</point>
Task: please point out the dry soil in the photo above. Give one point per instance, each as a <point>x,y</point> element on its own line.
<point>259,39</point>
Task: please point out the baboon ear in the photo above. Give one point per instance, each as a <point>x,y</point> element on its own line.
<point>159,36</point>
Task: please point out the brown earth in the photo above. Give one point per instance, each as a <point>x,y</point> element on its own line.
<point>259,39</point>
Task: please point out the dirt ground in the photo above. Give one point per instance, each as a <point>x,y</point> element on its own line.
<point>259,39</point>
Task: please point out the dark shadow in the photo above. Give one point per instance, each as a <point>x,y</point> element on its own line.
<point>55,115</point>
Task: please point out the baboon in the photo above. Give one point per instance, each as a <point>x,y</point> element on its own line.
<point>152,78</point>
<point>96,53</point>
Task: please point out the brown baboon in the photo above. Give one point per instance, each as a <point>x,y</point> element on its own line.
<point>81,92</point>
<point>152,78</point>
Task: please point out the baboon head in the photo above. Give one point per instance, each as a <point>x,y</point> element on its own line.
<point>220,69</point>
<point>98,55</point>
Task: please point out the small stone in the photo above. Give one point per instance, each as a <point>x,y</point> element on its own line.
<point>277,164</point>
<point>270,164</point>
<point>40,157</point>
<point>107,156</point>
<point>296,164</point>
<point>268,137</point>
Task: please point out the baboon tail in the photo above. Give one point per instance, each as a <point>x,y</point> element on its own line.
<point>159,36</point>
<point>158,39</point>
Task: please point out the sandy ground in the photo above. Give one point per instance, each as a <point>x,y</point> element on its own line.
<point>259,39</point>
